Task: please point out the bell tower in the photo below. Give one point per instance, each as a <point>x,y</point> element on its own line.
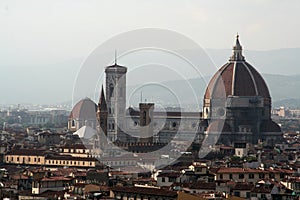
<point>116,99</point>
<point>146,122</point>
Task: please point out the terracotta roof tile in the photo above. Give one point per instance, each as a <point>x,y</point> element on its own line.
<point>144,190</point>
<point>27,152</point>
<point>237,79</point>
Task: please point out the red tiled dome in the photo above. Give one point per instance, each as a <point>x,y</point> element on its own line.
<point>237,78</point>
<point>85,109</point>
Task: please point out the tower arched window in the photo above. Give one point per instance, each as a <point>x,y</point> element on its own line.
<point>144,118</point>
<point>111,90</point>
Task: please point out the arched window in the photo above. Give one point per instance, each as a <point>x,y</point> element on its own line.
<point>174,124</point>
<point>144,118</point>
<point>206,111</point>
<point>111,90</point>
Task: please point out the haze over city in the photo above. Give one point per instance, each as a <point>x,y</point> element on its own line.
<point>140,99</point>
<point>43,44</point>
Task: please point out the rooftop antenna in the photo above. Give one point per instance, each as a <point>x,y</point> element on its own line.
<point>141,96</point>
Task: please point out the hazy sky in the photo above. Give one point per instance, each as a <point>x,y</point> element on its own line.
<point>41,33</point>
<point>46,31</point>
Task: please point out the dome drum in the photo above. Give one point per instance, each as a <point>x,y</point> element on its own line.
<point>245,101</point>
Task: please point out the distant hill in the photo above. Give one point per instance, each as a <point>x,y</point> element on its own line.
<point>285,91</point>
<point>278,67</point>
<point>288,103</point>
<point>283,87</point>
<point>53,83</point>
<point>279,61</point>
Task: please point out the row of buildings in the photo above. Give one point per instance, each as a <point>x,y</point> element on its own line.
<point>196,180</point>
<point>68,170</point>
<point>230,149</point>
<point>33,118</point>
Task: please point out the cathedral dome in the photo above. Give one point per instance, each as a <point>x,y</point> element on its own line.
<point>85,109</point>
<point>236,78</point>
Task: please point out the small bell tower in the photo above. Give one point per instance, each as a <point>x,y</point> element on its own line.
<point>102,113</point>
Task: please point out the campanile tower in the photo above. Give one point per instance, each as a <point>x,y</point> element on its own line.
<point>116,99</point>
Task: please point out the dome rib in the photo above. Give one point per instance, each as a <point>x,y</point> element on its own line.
<point>212,86</point>
<point>233,78</point>
<point>260,81</point>
<point>236,78</point>
<point>253,80</point>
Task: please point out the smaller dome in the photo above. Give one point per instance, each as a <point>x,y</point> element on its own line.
<point>85,109</point>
